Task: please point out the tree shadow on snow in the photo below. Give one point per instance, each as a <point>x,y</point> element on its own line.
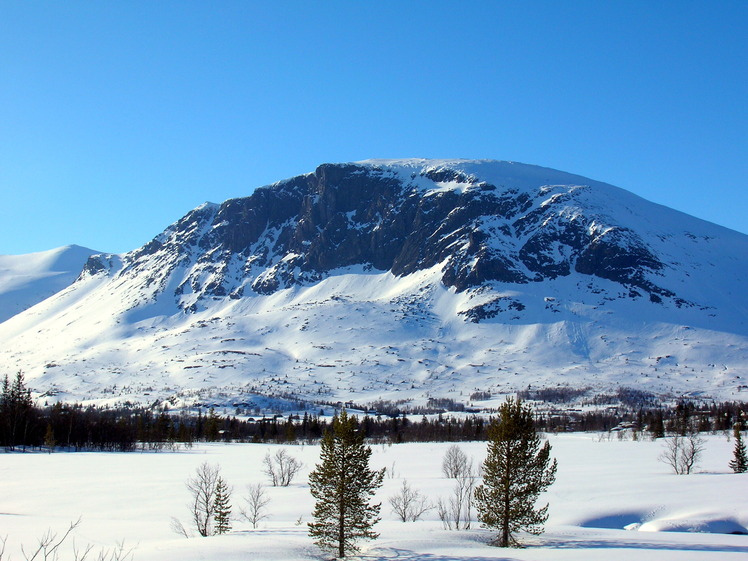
<point>563,543</point>
<point>394,554</point>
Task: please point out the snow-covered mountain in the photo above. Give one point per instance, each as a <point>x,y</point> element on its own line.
<point>26,280</point>
<point>402,280</point>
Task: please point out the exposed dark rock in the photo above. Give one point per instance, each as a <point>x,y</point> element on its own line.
<point>493,308</point>
<point>94,265</point>
<point>297,231</point>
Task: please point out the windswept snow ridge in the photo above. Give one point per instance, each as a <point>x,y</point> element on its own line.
<point>26,280</point>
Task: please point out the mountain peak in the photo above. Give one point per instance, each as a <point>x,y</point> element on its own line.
<point>405,279</point>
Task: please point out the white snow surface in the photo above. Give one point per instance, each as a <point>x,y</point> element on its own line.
<point>613,499</point>
<point>362,334</point>
<point>26,280</point>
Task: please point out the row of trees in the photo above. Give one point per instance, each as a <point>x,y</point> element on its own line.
<point>72,426</point>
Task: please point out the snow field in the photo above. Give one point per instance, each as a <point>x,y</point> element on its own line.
<point>602,487</point>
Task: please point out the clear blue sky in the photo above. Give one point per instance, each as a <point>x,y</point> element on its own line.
<point>116,118</point>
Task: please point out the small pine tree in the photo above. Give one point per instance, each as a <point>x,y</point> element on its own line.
<point>342,484</point>
<point>212,425</point>
<point>739,463</point>
<point>516,470</point>
<point>49,438</point>
<point>222,507</point>
<point>657,427</point>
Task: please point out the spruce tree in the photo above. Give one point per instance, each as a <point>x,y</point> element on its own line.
<point>49,438</point>
<point>739,463</point>
<point>516,470</point>
<point>222,507</point>
<point>343,484</point>
<point>16,408</point>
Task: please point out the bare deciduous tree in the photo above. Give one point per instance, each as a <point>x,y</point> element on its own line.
<point>683,453</point>
<point>409,504</point>
<point>457,511</point>
<point>203,489</point>
<point>257,501</point>
<point>281,468</point>
<point>455,462</point>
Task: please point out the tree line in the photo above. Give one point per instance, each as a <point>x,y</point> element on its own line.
<point>71,426</point>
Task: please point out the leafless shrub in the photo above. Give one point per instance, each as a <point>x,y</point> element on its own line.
<point>409,504</point>
<point>457,510</point>
<point>455,462</point>
<point>256,501</point>
<point>48,545</point>
<point>48,548</point>
<point>682,453</point>
<point>178,528</point>
<point>281,468</point>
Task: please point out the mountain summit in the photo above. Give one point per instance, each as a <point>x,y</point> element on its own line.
<point>402,280</point>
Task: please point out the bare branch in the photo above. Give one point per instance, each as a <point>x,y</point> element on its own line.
<point>48,544</point>
<point>178,528</point>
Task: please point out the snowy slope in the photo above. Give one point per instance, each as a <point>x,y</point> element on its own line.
<point>402,280</point>
<point>26,280</point>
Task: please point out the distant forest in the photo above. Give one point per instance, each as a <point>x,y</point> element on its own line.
<point>74,427</point>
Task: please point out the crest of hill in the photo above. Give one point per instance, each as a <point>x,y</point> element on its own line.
<point>26,280</point>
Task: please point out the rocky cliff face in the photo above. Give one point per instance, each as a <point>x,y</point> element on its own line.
<point>401,217</point>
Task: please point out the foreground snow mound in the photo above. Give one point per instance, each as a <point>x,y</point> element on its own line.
<point>710,523</point>
<point>704,523</point>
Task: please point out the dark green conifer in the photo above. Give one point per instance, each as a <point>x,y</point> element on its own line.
<point>222,507</point>
<point>343,484</point>
<point>49,438</point>
<point>517,469</point>
<point>739,463</point>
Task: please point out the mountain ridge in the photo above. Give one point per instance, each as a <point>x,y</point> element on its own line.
<point>467,268</point>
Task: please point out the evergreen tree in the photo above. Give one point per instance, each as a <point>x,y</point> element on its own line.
<point>222,507</point>
<point>212,425</point>
<point>49,438</point>
<point>739,463</point>
<point>16,408</point>
<point>657,427</point>
<point>517,469</point>
<point>342,484</point>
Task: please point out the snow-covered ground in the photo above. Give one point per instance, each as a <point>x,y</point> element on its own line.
<point>603,486</point>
